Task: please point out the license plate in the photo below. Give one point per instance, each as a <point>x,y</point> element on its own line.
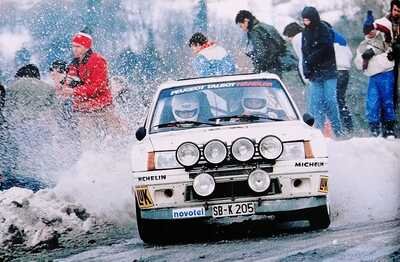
<point>236,209</point>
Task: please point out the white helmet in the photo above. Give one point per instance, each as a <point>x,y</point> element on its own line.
<point>185,107</point>
<point>254,100</point>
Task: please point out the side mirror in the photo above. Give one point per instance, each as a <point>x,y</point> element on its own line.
<point>141,133</point>
<point>308,119</point>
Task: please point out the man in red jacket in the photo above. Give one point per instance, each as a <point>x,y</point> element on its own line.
<point>87,83</point>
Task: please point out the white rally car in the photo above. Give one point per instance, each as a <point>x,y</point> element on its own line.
<point>225,147</point>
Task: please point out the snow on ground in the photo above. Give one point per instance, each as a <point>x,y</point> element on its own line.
<point>364,180</point>
<point>364,187</point>
<point>35,219</point>
<point>94,192</point>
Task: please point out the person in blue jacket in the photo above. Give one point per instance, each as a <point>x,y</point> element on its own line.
<point>210,58</point>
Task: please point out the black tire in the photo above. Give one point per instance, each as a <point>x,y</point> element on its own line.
<point>319,217</point>
<point>150,231</point>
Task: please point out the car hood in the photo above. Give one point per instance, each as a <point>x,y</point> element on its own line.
<point>286,131</point>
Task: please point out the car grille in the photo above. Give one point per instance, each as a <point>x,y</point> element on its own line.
<point>233,189</point>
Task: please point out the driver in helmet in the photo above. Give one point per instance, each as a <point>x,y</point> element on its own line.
<point>259,101</point>
<point>186,107</point>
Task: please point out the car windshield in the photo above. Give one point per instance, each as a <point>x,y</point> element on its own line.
<point>227,103</point>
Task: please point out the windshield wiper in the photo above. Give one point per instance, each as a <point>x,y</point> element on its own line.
<point>245,117</point>
<point>178,123</point>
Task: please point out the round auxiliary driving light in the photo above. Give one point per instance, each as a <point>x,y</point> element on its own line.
<point>215,152</point>
<point>259,181</point>
<point>270,147</point>
<point>243,149</point>
<point>188,154</point>
<point>204,184</point>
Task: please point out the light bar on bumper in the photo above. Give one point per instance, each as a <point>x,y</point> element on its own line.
<point>270,147</point>
<point>188,154</point>
<point>243,149</point>
<point>215,152</point>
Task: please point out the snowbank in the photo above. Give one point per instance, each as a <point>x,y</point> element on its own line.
<point>37,220</point>
<point>96,191</point>
<point>364,180</point>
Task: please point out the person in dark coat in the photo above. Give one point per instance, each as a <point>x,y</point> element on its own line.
<point>266,46</point>
<point>319,67</point>
<point>8,156</point>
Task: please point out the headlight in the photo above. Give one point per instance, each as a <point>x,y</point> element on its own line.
<point>293,151</point>
<point>243,149</point>
<point>259,180</point>
<point>164,160</point>
<point>204,184</point>
<point>270,147</point>
<point>215,152</point>
<point>188,154</point>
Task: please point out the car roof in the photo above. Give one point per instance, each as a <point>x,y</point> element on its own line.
<point>215,79</point>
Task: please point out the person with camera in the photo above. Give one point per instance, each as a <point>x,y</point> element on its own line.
<point>87,83</point>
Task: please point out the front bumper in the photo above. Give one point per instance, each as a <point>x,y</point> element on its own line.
<point>267,207</point>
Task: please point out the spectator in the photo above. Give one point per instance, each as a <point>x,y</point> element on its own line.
<point>211,59</point>
<point>27,130</point>
<point>28,71</point>
<point>293,33</point>
<point>58,71</point>
<point>343,57</point>
<point>88,85</point>
<point>390,26</point>
<point>266,47</point>
<point>372,59</point>
<point>319,67</point>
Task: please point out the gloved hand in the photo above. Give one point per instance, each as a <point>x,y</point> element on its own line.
<point>396,48</point>
<point>73,81</point>
<point>390,56</point>
<point>395,51</point>
<point>365,64</point>
<point>307,74</point>
<point>368,54</point>
<point>307,71</point>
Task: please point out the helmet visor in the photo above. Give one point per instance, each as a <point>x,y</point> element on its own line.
<point>186,114</point>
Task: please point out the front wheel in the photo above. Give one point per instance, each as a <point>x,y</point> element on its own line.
<point>150,231</point>
<point>319,217</point>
